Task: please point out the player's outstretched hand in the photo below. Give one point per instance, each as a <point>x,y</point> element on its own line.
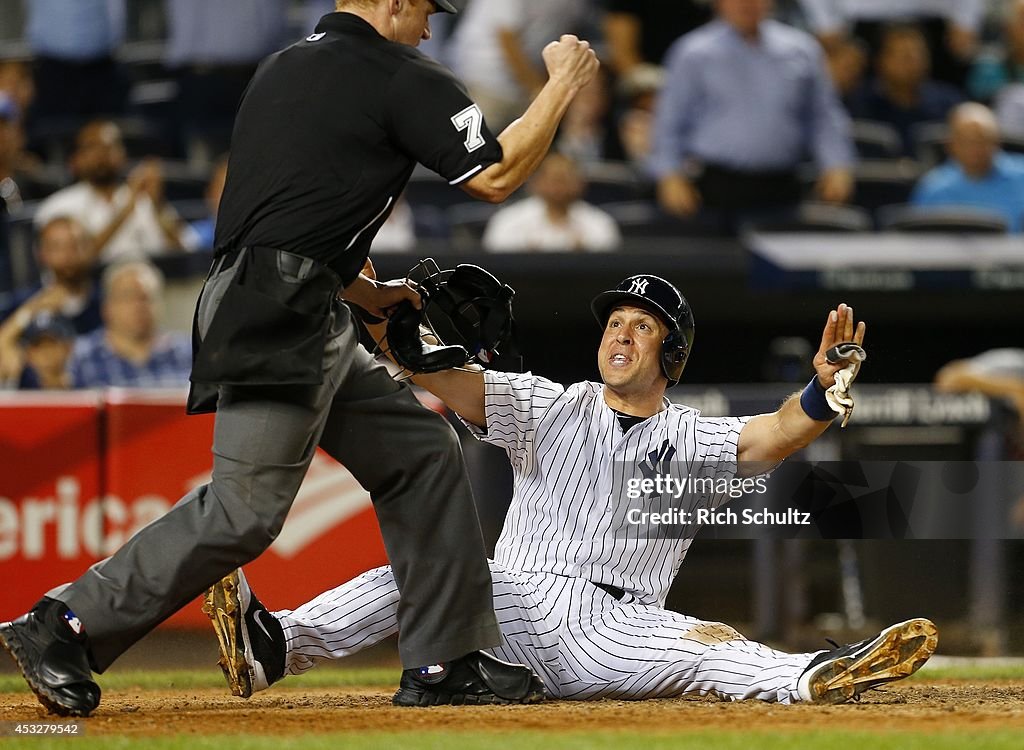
<point>838,328</point>
<point>571,60</point>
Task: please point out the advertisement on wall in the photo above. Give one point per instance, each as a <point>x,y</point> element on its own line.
<point>80,473</point>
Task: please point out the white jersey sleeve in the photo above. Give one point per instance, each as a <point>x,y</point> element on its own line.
<point>715,454</point>
<point>513,405</point>
<point>717,443</point>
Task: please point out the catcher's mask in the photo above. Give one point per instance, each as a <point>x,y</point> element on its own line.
<point>663,299</point>
<point>467,309</point>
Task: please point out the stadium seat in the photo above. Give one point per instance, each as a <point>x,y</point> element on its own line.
<point>43,182</point>
<point>876,140</point>
<point>191,210</point>
<point>937,220</point>
<point>818,217</point>
<point>930,141</point>
<point>1013,144</point>
<point>884,182</point>
<point>468,222</point>
<point>644,220</point>
<point>55,137</point>
<point>428,189</point>
<point>183,182</point>
<point>430,222</point>
<point>612,182</point>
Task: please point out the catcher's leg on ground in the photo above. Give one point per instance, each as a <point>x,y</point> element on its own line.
<point>364,611</point>
<point>632,651</point>
<point>264,439</point>
<point>408,458</point>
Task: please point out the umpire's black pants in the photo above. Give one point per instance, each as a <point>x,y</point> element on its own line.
<point>407,457</point>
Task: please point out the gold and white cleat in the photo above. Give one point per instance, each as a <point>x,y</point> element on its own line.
<point>843,673</point>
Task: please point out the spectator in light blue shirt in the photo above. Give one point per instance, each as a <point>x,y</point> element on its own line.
<point>213,47</point>
<point>73,46</point>
<point>239,32</point>
<point>82,30</point>
<point>746,100</point>
<point>131,350</point>
<point>977,174</point>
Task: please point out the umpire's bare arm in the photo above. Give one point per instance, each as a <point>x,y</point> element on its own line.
<point>571,65</point>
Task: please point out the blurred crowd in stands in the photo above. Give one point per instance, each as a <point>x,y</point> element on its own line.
<point>709,117</point>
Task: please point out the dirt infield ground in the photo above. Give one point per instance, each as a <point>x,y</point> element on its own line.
<point>931,708</point>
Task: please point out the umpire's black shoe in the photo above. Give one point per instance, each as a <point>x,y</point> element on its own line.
<point>475,679</point>
<point>50,648</point>
<point>845,672</point>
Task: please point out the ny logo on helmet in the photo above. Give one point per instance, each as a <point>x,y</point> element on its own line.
<point>639,286</point>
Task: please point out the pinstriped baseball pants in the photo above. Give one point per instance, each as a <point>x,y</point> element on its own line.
<point>581,641</point>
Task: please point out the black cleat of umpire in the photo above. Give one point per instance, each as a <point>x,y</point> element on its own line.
<point>50,648</point>
<point>474,679</point>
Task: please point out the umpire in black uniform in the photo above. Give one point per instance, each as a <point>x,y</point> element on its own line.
<point>325,140</point>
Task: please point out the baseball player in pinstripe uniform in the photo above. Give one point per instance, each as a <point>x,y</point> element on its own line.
<point>578,590</point>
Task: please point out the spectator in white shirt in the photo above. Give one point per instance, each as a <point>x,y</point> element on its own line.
<point>126,218</point>
<point>553,218</point>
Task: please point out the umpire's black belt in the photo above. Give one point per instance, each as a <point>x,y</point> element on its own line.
<point>289,263</point>
<point>272,324</point>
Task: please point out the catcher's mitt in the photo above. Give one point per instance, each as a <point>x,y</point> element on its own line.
<point>466,309</point>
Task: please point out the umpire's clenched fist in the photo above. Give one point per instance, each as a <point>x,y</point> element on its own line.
<point>571,60</point>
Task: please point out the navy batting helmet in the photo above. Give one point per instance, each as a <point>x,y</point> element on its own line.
<point>658,295</point>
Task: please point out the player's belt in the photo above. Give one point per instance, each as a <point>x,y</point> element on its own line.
<point>613,591</point>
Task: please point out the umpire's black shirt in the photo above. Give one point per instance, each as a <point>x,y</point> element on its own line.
<point>327,135</point>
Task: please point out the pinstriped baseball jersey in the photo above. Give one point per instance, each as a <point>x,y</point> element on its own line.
<point>566,530</point>
<point>569,512</point>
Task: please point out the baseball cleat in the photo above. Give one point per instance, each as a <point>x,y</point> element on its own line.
<point>250,639</point>
<point>474,679</point>
<point>49,646</point>
<point>844,673</point>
